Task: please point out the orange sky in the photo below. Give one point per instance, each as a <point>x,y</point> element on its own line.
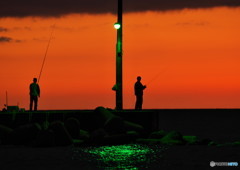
<point>187,59</point>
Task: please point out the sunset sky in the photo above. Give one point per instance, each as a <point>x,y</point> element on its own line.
<point>188,54</point>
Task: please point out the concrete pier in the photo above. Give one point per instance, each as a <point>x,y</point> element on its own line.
<point>217,124</point>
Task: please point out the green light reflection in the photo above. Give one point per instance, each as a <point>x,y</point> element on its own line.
<point>129,157</point>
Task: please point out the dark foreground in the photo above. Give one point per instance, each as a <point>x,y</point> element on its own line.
<point>144,157</point>
<point>222,125</point>
<point>109,139</point>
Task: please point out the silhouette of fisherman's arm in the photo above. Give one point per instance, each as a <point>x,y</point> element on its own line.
<point>115,87</point>
<point>139,88</point>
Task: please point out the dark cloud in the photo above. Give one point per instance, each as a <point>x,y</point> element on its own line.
<point>20,28</point>
<point>5,39</point>
<point>2,29</point>
<point>8,39</point>
<point>45,8</point>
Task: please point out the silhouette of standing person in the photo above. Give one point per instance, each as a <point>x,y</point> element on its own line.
<point>138,88</point>
<point>34,94</point>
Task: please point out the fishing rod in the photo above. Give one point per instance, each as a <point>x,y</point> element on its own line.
<point>6,99</point>
<point>156,76</point>
<point>46,53</point>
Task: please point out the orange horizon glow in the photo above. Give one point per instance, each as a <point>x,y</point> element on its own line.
<point>187,59</point>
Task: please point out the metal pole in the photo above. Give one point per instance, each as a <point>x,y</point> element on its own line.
<point>119,95</point>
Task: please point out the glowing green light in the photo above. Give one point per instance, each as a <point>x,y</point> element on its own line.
<point>126,157</point>
<point>117,25</point>
<point>122,157</point>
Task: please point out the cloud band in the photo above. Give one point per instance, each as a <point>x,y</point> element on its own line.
<point>47,8</point>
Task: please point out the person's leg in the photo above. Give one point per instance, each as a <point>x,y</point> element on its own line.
<point>31,103</point>
<point>136,104</point>
<point>140,102</point>
<point>35,103</point>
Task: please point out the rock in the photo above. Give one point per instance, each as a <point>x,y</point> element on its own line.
<point>97,136</point>
<point>212,143</point>
<point>102,115</point>
<point>132,133</point>
<point>73,127</point>
<point>111,123</point>
<point>237,143</point>
<point>84,135</point>
<point>163,137</point>
<point>130,126</point>
<point>157,134</point>
<point>25,134</point>
<point>78,142</point>
<point>45,138</point>
<point>173,138</point>
<point>114,125</point>
<point>61,135</point>
<point>233,144</point>
<point>190,140</point>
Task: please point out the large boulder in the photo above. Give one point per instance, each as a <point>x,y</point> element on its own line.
<point>111,123</point>
<point>190,140</point>
<point>84,135</point>
<point>130,126</point>
<point>25,134</point>
<point>173,138</point>
<point>45,138</point>
<point>61,135</point>
<point>157,134</point>
<point>73,127</point>
<point>114,125</point>
<point>98,135</point>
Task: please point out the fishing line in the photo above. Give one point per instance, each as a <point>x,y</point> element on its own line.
<point>156,76</point>
<point>46,53</point>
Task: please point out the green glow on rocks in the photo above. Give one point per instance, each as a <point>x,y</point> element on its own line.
<point>128,157</point>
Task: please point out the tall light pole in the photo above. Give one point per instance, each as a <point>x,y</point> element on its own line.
<point>119,27</point>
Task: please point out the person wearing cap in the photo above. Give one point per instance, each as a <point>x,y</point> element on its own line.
<point>138,89</point>
<point>34,94</point>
